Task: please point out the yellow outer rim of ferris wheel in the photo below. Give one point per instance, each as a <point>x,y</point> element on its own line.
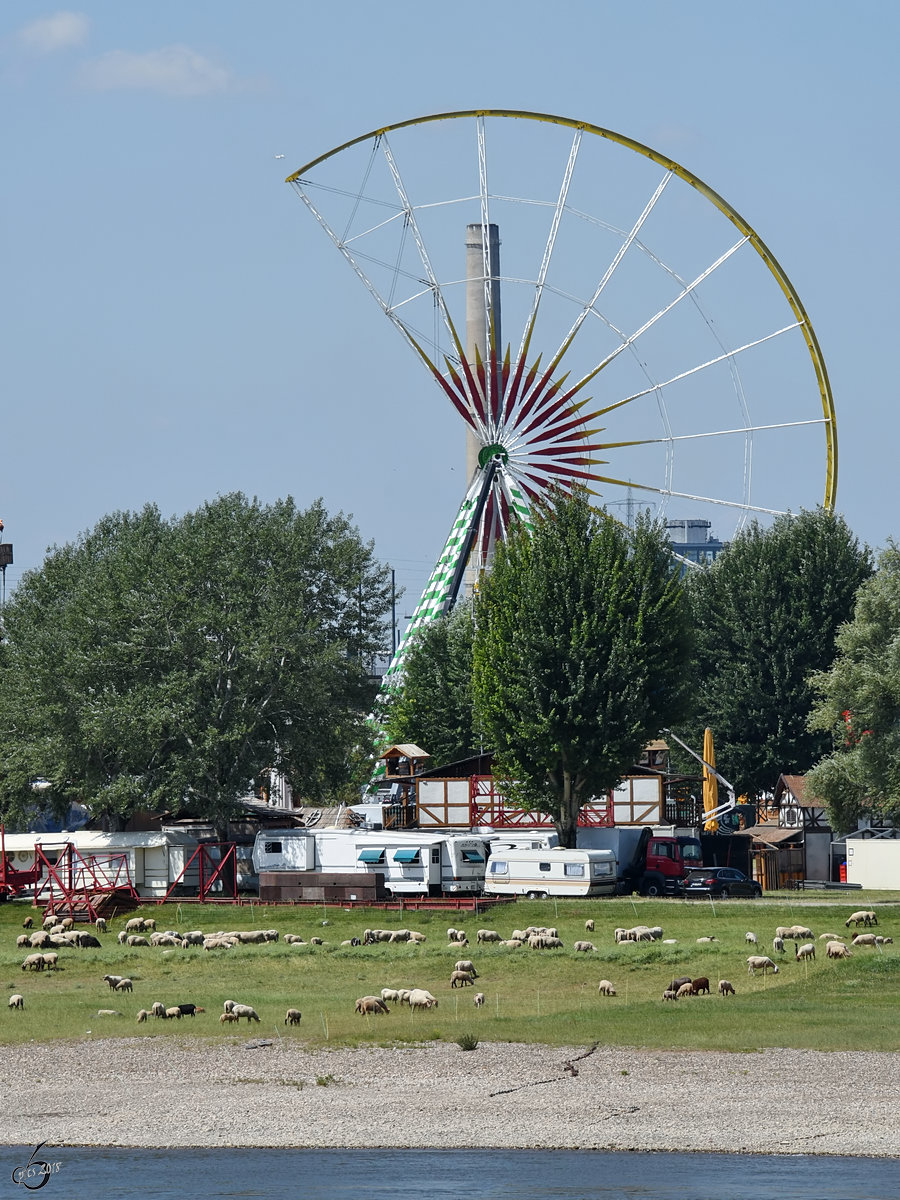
<point>771,262</point>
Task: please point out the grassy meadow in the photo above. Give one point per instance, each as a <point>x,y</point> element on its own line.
<point>547,996</point>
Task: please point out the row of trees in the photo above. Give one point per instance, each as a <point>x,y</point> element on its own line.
<point>585,640</point>
<point>159,663</point>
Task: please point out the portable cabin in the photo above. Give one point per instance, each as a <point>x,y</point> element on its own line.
<point>541,873</point>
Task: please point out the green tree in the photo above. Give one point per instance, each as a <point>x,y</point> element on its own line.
<point>858,707</point>
<point>168,663</point>
<point>582,643</point>
<point>434,706</point>
<point>766,614</point>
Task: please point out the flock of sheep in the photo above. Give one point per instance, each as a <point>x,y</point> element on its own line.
<point>141,931</point>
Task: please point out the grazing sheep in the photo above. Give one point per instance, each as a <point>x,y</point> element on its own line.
<point>605,988</point>
<point>808,950</point>
<point>702,940</point>
<point>39,939</point>
<point>22,941</point>
<point>292,1016</point>
<point>513,943</point>
<point>33,962</point>
<point>194,937</point>
<point>403,995</point>
<point>142,1015</point>
<point>461,979</point>
<point>518,935</point>
<point>466,964</point>
<point>135,939</point>
<point>371,1005</point>
<point>863,917</point>
<point>884,941</point>
<point>51,960</point>
<point>67,922</point>
<point>800,931</point>
<point>100,924</point>
<point>726,988</point>
<point>121,936</point>
<point>589,926</point>
<point>686,989</point>
<point>677,983</point>
<point>487,935</point>
<point>174,1013</point>
<point>751,938</point>
<point>864,939</point>
<point>294,939</point>
<point>479,999</point>
<point>316,941</point>
<point>135,925</point>
<point>49,921</point>
<point>418,938</point>
<point>158,1010</point>
<point>784,931</point>
<point>245,1010</point>
<point>837,950</point>
<point>124,985</point>
<point>420,998</point>
<point>149,923</point>
<point>16,1000</point>
<point>28,923</point>
<point>584,947</point>
<point>228,1005</point>
<point>778,945</point>
<point>700,985</point>
<point>390,994</point>
<point>759,962</point>
<point>188,1010</point>
<point>670,994</point>
<point>227,1017</point>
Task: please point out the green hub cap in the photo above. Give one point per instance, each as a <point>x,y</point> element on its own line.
<point>495,450</point>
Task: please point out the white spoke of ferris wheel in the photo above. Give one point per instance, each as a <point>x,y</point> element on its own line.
<point>487,282</point>
<point>610,271</point>
<point>741,505</point>
<point>551,243</point>
<point>417,236</point>
<point>685,293</point>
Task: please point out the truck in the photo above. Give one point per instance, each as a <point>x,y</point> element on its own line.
<point>538,874</point>
<point>653,861</point>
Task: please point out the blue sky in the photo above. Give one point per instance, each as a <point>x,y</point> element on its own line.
<point>175,325</point>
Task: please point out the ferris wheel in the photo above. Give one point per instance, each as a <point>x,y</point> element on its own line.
<point>658,349</point>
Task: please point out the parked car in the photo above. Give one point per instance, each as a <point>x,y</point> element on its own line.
<point>720,882</point>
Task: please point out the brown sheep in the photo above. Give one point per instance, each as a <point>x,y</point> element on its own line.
<point>371,1004</point>
<point>461,979</point>
<point>227,1017</point>
<point>700,985</point>
<point>292,1016</point>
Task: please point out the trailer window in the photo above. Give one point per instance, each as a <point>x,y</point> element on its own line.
<point>498,867</point>
<point>603,868</point>
<point>436,854</point>
<point>543,866</point>
<point>371,856</point>
<point>471,856</point>
<point>272,847</point>
<point>406,856</point>
<point>575,869</point>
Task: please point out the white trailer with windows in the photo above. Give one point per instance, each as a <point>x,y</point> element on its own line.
<point>541,873</point>
<point>410,863</point>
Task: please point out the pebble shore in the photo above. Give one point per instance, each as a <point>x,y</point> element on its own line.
<point>149,1092</point>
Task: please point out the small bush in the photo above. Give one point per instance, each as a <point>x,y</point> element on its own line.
<point>467,1041</point>
<point>325,1080</point>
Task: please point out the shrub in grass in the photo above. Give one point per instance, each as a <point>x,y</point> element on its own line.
<point>467,1041</point>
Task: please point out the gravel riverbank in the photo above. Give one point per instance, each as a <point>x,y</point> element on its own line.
<point>150,1092</point>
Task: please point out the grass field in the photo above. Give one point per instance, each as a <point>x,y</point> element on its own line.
<point>545,996</point>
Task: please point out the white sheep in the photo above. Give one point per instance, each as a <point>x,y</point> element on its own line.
<point>837,950</point>
<point>420,998</point>
<point>684,989</point>
<point>16,1000</point>
<point>778,944</point>
<point>135,925</point>
<point>864,939</point>
<point>479,999</point>
<point>461,979</point>
<point>801,931</point>
<point>135,939</point>
<point>585,947</point>
<point>589,926</point>
<point>605,988</point>
<point>174,1013</point>
<point>863,917</point>
<point>245,1010</point>
<point>751,938</point>
<point>124,985</point>
<point>390,994</point>
<point>466,964</point>
<point>726,988</point>
<point>759,962</point>
<point>158,1010</point>
<point>143,1014</point>
<point>100,924</point>
<point>487,935</point>
<point>706,940</point>
<point>808,950</point>
<point>670,994</point>
<point>22,941</point>
<point>33,962</point>
<point>884,941</point>
<point>228,1005</point>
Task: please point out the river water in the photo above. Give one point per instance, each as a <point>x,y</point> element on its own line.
<point>114,1174</point>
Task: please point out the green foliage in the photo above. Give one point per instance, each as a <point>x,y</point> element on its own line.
<point>165,662</point>
<point>858,706</point>
<point>581,647</point>
<point>434,708</point>
<point>467,1041</point>
<point>766,614</point>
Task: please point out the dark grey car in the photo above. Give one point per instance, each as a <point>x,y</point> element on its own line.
<point>720,883</point>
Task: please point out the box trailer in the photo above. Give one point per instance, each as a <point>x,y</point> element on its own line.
<point>538,874</point>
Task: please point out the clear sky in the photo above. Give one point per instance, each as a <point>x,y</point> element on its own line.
<point>175,326</point>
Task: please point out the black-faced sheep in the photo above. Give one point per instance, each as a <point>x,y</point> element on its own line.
<point>778,945</point>
<point>51,960</point>
<point>27,923</point>
<point>605,988</point>
<point>751,938</point>
<point>725,988</point>
<point>759,962</point>
<point>33,962</point>
<point>589,925</point>
<point>807,950</point>
<point>124,985</point>
<point>100,924</point>
<point>16,1000</point>
<point>863,917</point>
<point>135,925</point>
<point>373,1005</point>
<point>245,1010</point>
<point>479,999</point>
<point>461,979</point>
<point>390,995</point>
<point>466,964</point>
<point>22,941</point>
<point>292,1016</point>
<point>158,1010</point>
<point>864,939</point>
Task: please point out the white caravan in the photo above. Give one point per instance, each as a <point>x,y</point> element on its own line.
<point>410,863</point>
<point>541,873</point>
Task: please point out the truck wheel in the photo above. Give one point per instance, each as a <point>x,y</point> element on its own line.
<point>652,888</point>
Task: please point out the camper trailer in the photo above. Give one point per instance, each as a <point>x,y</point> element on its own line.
<point>538,874</point>
<point>406,863</point>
